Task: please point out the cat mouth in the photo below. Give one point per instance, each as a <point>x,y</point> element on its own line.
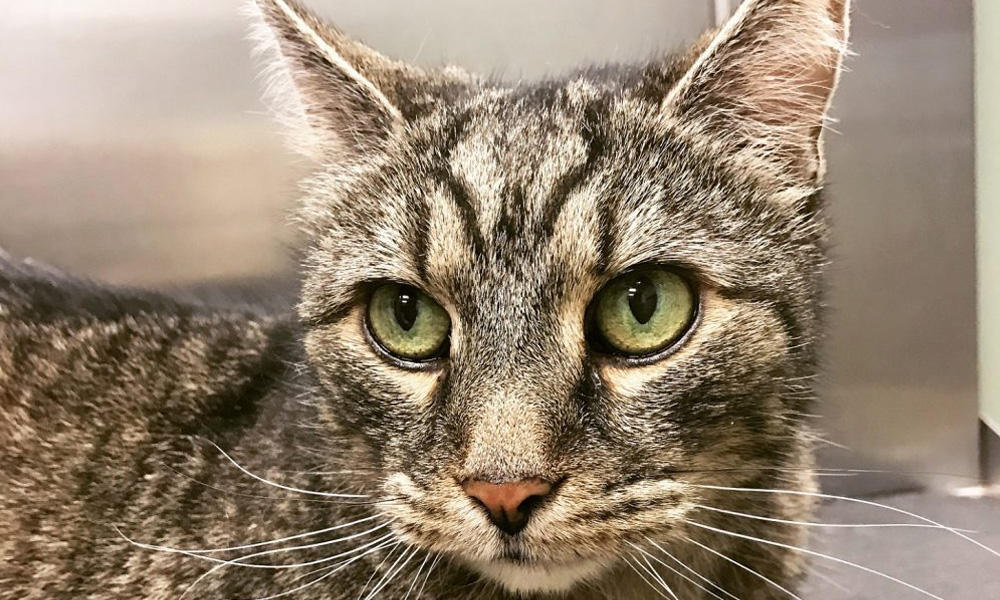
<point>515,556</point>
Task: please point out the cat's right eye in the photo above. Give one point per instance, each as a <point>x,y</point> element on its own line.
<point>407,323</point>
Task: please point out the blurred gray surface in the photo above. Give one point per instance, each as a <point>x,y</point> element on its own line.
<point>932,559</point>
<point>133,148</point>
<point>901,385</point>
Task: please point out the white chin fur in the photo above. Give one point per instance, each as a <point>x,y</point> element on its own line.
<point>535,578</point>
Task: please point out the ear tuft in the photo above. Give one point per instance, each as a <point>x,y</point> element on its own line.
<point>762,87</point>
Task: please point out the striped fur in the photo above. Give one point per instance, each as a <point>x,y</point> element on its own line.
<point>512,206</point>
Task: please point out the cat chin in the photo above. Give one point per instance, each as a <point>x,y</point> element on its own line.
<point>533,578</point>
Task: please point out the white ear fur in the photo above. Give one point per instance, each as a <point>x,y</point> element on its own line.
<point>763,85</point>
<point>321,96</point>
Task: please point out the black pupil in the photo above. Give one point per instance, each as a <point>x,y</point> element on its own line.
<point>642,300</point>
<point>405,308</point>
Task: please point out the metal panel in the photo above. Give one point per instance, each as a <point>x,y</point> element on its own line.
<point>988,217</point>
<point>901,391</point>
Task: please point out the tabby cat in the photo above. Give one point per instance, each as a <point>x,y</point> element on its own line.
<point>551,338</point>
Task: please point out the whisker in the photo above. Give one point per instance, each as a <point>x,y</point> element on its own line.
<point>284,539</point>
<point>856,501</point>
<point>828,525</point>
<point>335,569</point>
<point>379,543</point>
<point>239,561</point>
<point>434,564</point>
<point>742,566</point>
<point>281,498</point>
<point>280,486</point>
<point>678,573</point>
<point>821,472</point>
<point>690,570</point>
<point>652,571</point>
<point>392,572</point>
<point>817,554</point>
<point>417,576</point>
<point>832,582</point>
<point>644,578</point>
<point>376,571</point>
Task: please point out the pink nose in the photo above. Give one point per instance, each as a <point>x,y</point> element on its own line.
<point>508,504</point>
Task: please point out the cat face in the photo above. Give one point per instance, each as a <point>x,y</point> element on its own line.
<point>548,312</point>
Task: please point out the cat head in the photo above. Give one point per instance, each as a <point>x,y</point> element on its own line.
<point>545,311</point>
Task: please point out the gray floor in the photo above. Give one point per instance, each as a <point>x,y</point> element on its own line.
<point>937,561</point>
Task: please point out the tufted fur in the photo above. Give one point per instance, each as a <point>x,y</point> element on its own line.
<point>512,206</point>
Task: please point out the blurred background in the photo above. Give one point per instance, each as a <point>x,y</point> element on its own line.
<point>134,149</point>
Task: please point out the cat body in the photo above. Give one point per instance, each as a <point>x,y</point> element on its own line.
<point>148,440</point>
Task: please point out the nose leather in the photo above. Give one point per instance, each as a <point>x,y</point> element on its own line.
<point>508,504</point>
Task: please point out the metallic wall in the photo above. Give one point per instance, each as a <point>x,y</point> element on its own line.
<point>133,148</point>
<point>901,391</point>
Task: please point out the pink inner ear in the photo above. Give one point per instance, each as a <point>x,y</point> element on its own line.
<point>797,97</point>
<point>763,86</point>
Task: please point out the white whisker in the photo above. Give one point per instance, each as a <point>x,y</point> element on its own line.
<point>817,554</point>
<point>334,569</point>
<point>392,572</point>
<point>416,577</point>
<point>690,570</point>
<point>644,578</point>
<point>676,572</point>
<point>384,539</point>
<point>856,501</point>
<point>284,539</point>
<point>652,571</point>
<point>284,487</point>
<point>832,582</point>
<point>742,566</point>
<point>240,561</point>
<point>829,525</point>
<point>376,571</point>
<point>434,564</point>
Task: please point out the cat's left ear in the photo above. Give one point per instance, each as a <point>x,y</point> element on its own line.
<point>340,99</point>
<point>762,87</point>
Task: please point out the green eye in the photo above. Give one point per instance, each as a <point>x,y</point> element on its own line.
<point>643,312</point>
<point>407,322</point>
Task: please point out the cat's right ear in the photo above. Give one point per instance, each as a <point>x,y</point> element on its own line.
<point>339,99</point>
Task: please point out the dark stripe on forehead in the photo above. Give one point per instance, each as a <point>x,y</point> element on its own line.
<point>453,134</point>
<point>607,222</point>
<point>460,194</point>
<point>510,224</point>
<point>423,233</point>
<point>569,182</point>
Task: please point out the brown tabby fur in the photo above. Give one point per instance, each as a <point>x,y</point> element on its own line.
<point>512,206</point>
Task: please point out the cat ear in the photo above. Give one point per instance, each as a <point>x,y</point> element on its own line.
<point>336,95</point>
<point>762,86</point>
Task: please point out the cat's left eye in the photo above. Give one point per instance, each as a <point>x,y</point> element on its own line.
<point>407,323</point>
<point>643,312</point>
